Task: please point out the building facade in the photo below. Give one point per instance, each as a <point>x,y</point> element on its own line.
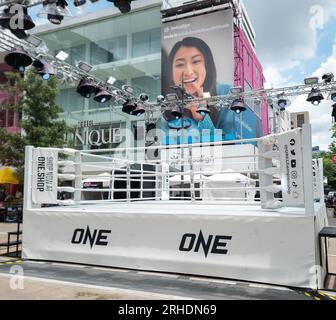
<point>9,119</point>
<point>128,47</point>
<point>298,119</point>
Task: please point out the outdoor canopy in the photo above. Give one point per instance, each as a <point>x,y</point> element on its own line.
<point>7,176</point>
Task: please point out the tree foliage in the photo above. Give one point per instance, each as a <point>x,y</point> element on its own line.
<point>328,166</point>
<point>34,98</point>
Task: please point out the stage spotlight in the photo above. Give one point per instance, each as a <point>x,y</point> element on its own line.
<point>270,101</point>
<point>86,88</point>
<point>129,106</point>
<point>333,96</point>
<point>13,12</point>
<point>203,109</point>
<point>238,106</point>
<point>138,111</point>
<point>177,112</point>
<point>123,5</point>
<point>310,81</point>
<point>84,66</point>
<point>44,69</point>
<point>61,55</point>
<point>54,11</point>
<point>333,114</point>
<point>150,126</point>
<point>328,77</point>
<point>111,80</point>
<point>102,96</point>
<point>282,103</point>
<point>257,102</point>
<point>78,3</point>
<point>160,99</point>
<point>236,91</point>
<point>18,59</point>
<point>315,97</point>
<point>143,97</point>
<point>226,104</point>
<point>172,97</point>
<point>127,89</point>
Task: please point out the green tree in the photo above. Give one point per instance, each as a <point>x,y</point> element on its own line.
<point>328,166</point>
<point>34,98</point>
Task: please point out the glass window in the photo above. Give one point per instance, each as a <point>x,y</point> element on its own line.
<point>75,54</point>
<point>300,120</point>
<point>248,88</point>
<point>257,109</point>
<point>3,118</point>
<point>147,85</point>
<point>146,42</point>
<point>69,100</point>
<point>10,119</point>
<point>108,50</point>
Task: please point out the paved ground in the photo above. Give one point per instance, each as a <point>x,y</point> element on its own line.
<point>46,280</point>
<point>67,281</point>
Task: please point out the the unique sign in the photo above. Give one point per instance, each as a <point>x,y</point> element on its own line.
<point>98,136</point>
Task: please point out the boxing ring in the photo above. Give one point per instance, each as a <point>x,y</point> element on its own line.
<point>140,221</point>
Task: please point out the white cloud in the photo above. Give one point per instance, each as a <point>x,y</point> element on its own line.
<point>320,116</point>
<point>287,37</point>
<point>287,30</point>
<point>274,74</point>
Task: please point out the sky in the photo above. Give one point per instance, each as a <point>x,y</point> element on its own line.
<point>295,40</point>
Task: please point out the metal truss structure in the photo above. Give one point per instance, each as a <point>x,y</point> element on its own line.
<point>27,3</point>
<point>37,49</point>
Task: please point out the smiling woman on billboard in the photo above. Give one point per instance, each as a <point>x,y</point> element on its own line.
<point>191,66</point>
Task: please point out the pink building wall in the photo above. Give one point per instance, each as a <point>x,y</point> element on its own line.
<point>9,120</point>
<point>248,68</point>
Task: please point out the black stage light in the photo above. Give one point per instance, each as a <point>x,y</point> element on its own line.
<point>138,111</point>
<point>129,106</point>
<point>177,112</point>
<point>333,97</point>
<point>44,69</point>
<point>328,77</point>
<point>102,96</point>
<point>203,109</point>
<point>86,88</point>
<point>54,10</point>
<point>123,5</point>
<point>143,97</point>
<point>150,126</point>
<point>24,21</point>
<point>160,99</point>
<point>238,106</point>
<point>55,18</point>
<point>282,103</point>
<point>333,114</point>
<point>315,97</point>
<point>18,59</point>
<point>78,3</point>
